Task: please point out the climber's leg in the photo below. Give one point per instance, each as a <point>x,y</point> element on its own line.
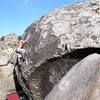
<point>22,52</point>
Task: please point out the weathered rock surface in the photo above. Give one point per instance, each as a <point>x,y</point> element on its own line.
<point>3,60</point>
<point>8,44</point>
<point>7,47</point>
<point>82,82</point>
<point>52,40</point>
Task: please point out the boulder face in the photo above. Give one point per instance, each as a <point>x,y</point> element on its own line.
<point>52,40</point>
<point>7,47</point>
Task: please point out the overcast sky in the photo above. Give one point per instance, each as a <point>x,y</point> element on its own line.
<point>17,15</point>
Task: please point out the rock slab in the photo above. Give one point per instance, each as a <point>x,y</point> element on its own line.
<point>82,82</point>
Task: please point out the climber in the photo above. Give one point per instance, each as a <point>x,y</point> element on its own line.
<point>21,53</point>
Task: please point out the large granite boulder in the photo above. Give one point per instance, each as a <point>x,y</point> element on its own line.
<point>57,41</point>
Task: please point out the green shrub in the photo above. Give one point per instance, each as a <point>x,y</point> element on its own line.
<point>2,38</point>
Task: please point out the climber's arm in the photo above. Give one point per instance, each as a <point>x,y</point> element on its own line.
<point>24,41</point>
